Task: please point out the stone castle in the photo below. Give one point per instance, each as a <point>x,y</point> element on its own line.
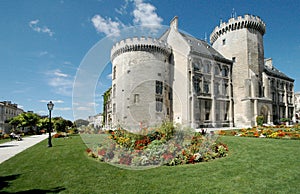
<point>180,78</point>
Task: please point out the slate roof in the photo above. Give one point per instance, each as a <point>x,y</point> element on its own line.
<point>276,73</point>
<point>199,47</point>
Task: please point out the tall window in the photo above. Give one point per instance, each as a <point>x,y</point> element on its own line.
<point>158,87</point>
<point>206,87</point>
<point>207,67</point>
<point>136,98</point>
<point>225,92</point>
<point>207,106</point>
<point>217,70</point>
<point>114,108</point>
<point>216,88</point>
<point>114,72</point>
<point>225,71</point>
<point>197,86</point>
<point>273,96</point>
<point>114,90</point>
<point>159,104</point>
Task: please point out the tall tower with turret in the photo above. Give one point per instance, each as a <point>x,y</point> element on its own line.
<point>140,82</point>
<point>241,40</point>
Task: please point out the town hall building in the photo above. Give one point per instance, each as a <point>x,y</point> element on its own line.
<point>186,80</point>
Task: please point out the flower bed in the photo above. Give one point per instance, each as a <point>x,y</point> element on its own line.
<point>165,145</point>
<point>278,132</point>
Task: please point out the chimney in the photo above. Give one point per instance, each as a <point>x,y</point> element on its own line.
<point>174,23</point>
<point>269,63</point>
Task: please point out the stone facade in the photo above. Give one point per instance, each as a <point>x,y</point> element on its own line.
<point>186,80</point>
<point>7,111</point>
<point>140,82</point>
<point>258,87</point>
<point>96,121</point>
<point>297,106</point>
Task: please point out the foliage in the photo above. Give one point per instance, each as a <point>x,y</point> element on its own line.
<point>106,97</point>
<point>23,120</point>
<point>62,125</point>
<point>163,145</point>
<point>35,123</point>
<point>260,120</point>
<point>278,132</point>
<point>285,119</point>
<point>81,122</point>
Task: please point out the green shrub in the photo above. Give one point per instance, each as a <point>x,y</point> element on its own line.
<point>260,120</point>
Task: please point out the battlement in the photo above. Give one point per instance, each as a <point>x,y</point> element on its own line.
<point>247,21</point>
<point>140,44</point>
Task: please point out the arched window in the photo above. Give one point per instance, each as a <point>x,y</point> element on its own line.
<point>217,69</point>
<point>197,66</point>
<point>225,71</point>
<point>207,67</point>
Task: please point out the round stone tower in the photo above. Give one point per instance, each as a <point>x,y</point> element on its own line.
<point>241,40</point>
<point>140,82</point>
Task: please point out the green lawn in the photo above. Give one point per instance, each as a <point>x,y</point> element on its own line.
<point>253,166</point>
<point>4,140</point>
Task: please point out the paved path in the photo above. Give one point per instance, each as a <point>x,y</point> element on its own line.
<point>12,148</point>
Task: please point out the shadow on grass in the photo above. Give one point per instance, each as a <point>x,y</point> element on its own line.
<point>5,182</point>
<point>40,191</point>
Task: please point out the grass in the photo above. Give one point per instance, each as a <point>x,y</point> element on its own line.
<point>254,165</point>
<point>4,140</point>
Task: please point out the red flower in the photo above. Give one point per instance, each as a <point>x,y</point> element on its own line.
<point>102,152</point>
<point>125,160</point>
<point>167,156</point>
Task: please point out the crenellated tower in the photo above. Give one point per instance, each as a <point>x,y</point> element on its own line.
<point>140,82</point>
<point>241,40</point>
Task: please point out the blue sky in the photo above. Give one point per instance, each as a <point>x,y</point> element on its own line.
<point>44,43</point>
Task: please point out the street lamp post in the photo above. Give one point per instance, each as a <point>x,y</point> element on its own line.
<point>50,106</point>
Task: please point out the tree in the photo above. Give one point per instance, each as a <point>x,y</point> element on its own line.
<point>61,124</point>
<point>43,123</point>
<point>28,119</point>
<point>31,120</point>
<point>81,122</point>
<point>16,122</point>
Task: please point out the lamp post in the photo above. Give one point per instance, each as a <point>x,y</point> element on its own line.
<point>50,106</point>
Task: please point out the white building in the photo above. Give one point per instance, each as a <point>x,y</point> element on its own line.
<point>297,106</point>
<point>7,111</point>
<point>96,121</point>
<point>186,80</point>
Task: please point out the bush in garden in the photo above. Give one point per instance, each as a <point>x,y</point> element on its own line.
<point>260,120</point>
<point>165,145</point>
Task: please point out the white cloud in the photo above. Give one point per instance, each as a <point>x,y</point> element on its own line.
<point>58,73</point>
<point>109,76</point>
<point>67,63</point>
<point>106,25</point>
<point>122,9</point>
<point>83,108</point>
<point>42,53</point>
<point>145,15</point>
<point>88,106</point>
<point>42,112</point>
<point>54,101</point>
<point>63,108</point>
<point>34,26</point>
<point>61,82</point>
